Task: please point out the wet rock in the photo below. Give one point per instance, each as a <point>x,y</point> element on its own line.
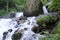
<point>25,28</point>
<point>4,35</point>
<point>12,15</point>
<point>17,35</point>
<point>28,22</point>
<point>21,21</point>
<point>34,36</point>
<point>23,18</point>
<point>35,29</point>
<point>10,30</point>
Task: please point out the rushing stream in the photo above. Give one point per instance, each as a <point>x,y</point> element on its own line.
<point>9,26</point>
<point>6,24</point>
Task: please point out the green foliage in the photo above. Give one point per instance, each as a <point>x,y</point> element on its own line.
<point>45,19</point>
<point>2,12</point>
<point>58,14</point>
<point>20,4</point>
<point>52,37</point>
<point>42,21</point>
<point>44,1</point>
<point>54,6</point>
<point>57,29</point>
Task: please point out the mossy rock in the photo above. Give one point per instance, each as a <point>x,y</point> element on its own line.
<point>47,22</point>
<point>44,19</point>
<point>16,36</point>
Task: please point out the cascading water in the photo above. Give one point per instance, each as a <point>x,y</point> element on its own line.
<point>10,24</point>
<point>45,10</point>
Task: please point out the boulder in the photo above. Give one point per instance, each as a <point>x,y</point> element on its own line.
<point>17,35</point>
<point>33,8</point>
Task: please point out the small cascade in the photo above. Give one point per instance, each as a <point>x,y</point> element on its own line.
<point>8,27</point>
<point>45,11</point>
<point>19,14</point>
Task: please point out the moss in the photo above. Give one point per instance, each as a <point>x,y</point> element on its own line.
<point>47,22</point>
<point>45,19</point>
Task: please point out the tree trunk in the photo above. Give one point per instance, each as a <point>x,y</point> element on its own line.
<point>7,5</point>
<point>33,8</point>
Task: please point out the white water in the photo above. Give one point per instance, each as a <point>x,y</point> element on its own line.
<point>45,10</point>
<point>6,24</point>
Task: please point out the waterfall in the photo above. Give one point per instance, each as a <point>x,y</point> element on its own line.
<point>10,24</point>
<point>45,11</point>
<point>19,14</point>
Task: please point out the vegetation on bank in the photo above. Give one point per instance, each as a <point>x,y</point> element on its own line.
<point>44,22</point>
<point>54,35</point>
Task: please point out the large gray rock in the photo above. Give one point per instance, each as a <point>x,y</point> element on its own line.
<point>33,8</point>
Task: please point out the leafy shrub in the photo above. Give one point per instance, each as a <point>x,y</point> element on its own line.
<point>47,23</point>
<point>54,6</point>
<point>57,29</point>
<point>44,1</point>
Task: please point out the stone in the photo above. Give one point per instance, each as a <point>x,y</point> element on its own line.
<point>35,29</point>
<point>17,35</point>
<point>33,8</point>
<point>4,35</point>
<point>25,28</point>
<point>10,30</point>
<point>23,18</point>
